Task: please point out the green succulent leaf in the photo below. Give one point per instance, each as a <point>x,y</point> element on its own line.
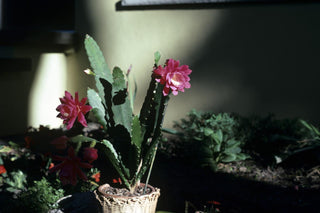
<point>218,136</point>
<point>232,143</point>
<point>146,161</point>
<point>229,158</point>
<point>102,72</point>
<point>81,139</point>
<point>242,156</point>
<point>136,132</point>
<point>205,151</point>
<point>132,92</point>
<point>121,104</point>
<point>310,127</point>
<point>97,60</point>
<point>98,108</point>
<point>116,161</point>
<point>217,148</point>
<point>208,131</point>
<point>136,140</point>
<point>119,82</point>
<point>233,149</point>
<point>152,111</point>
<point>145,109</point>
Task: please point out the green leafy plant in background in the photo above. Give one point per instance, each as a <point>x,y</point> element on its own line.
<point>271,140</point>
<point>16,182</point>
<point>13,181</point>
<point>210,138</point>
<point>307,143</point>
<point>26,185</point>
<point>314,132</point>
<point>40,197</point>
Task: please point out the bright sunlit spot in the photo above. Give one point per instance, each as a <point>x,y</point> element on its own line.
<point>49,85</point>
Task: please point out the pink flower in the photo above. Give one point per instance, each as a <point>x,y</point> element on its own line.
<point>90,154</point>
<point>70,109</point>
<point>70,168</point>
<point>173,76</point>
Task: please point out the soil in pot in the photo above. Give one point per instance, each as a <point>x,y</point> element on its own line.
<point>126,193</point>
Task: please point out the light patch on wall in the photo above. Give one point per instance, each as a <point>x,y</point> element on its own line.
<point>49,84</point>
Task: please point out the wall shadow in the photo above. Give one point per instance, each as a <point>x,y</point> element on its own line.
<point>267,56</point>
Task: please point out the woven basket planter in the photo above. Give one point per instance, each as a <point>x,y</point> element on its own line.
<point>121,204</point>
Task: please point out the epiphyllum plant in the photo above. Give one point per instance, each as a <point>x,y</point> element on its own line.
<point>131,140</point>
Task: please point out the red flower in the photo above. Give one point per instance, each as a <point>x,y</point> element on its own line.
<point>90,154</point>
<point>2,169</point>
<point>60,142</point>
<point>70,109</point>
<point>51,165</point>
<point>173,76</point>
<point>214,202</point>
<point>70,168</point>
<point>117,181</point>
<point>96,177</point>
<point>28,141</point>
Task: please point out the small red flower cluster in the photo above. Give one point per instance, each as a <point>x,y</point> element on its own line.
<point>90,154</point>
<point>96,177</point>
<point>174,77</point>
<point>2,169</point>
<point>117,181</point>
<point>70,167</point>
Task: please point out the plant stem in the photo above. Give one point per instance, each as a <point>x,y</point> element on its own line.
<point>93,143</point>
<point>149,173</point>
<point>78,146</point>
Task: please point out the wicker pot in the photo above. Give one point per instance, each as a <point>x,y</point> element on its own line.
<point>122,204</point>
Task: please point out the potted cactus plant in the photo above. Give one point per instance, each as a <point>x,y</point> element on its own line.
<point>130,141</point>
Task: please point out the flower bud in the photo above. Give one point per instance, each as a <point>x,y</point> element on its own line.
<point>89,72</point>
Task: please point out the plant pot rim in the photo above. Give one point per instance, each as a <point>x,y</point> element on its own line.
<point>102,189</point>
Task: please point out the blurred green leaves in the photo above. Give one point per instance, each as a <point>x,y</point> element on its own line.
<point>212,137</point>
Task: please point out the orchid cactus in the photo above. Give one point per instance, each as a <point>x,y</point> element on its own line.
<point>131,140</point>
